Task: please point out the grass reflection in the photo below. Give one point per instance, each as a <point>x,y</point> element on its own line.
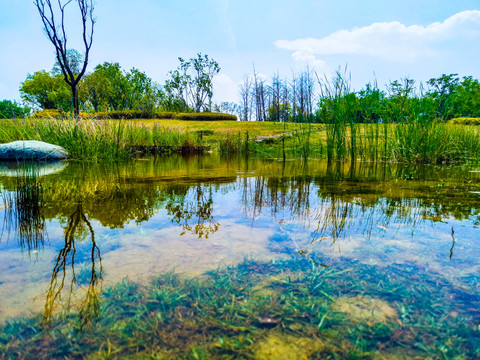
<point>23,206</point>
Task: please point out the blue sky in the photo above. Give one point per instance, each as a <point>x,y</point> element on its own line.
<point>381,39</point>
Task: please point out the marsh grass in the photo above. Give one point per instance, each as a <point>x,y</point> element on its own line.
<point>259,309</point>
<point>340,136</point>
<point>403,132</point>
<point>104,140</point>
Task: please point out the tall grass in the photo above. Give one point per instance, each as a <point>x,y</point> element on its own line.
<point>393,134</point>
<point>102,140</point>
<point>405,131</point>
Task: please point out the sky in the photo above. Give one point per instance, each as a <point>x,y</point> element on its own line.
<point>377,40</point>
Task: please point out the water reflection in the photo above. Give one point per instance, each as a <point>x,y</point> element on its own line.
<point>194,215</point>
<point>64,282</point>
<point>23,215</point>
<point>317,211</point>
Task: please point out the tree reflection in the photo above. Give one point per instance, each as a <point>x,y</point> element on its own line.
<point>348,199</point>
<point>62,284</point>
<point>195,215</point>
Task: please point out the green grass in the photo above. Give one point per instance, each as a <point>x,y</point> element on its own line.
<point>409,141</point>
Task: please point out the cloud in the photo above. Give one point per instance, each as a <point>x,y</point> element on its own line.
<point>224,89</point>
<point>391,41</point>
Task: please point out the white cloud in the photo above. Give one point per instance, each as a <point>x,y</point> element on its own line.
<point>392,41</point>
<point>224,89</point>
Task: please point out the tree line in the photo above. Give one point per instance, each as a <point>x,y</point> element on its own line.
<point>108,87</point>
<point>308,97</point>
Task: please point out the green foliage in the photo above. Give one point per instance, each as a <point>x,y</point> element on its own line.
<point>123,114</point>
<point>46,91</point>
<point>109,88</point>
<point>465,121</point>
<point>11,110</point>
<point>466,101</point>
<point>443,89</point>
<point>205,116</point>
<point>136,114</point>
<point>191,83</point>
<point>74,63</point>
<point>57,114</point>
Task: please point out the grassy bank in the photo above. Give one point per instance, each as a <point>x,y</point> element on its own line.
<point>122,139</point>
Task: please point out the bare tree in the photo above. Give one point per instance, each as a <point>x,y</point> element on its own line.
<point>246,96</point>
<point>259,93</point>
<point>53,18</point>
<point>304,91</point>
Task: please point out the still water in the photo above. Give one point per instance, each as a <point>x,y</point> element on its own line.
<point>208,257</point>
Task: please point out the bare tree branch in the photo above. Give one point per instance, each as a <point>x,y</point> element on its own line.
<point>58,37</point>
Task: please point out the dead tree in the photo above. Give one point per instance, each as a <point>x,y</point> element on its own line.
<point>245,97</point>
<point>258,91</point>
<point>53,19</point>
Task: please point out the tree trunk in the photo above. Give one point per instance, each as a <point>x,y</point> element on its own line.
<point>75,103</point>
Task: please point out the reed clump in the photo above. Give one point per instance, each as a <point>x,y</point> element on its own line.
<point>362,126</point>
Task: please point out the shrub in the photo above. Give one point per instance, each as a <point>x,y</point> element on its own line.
<point>465,121</point>
<point>136,114</point>
<point>205,116</point>
<point>56,114</point>
<point>164,115</point>
<point>123,114</point>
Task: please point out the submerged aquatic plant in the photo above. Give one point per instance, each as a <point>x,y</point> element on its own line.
<point>351,310</point>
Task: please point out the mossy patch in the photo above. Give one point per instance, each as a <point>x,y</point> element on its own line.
<point>366,309</point>
<point>287,347</point>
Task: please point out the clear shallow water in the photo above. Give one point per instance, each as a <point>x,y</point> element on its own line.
<point>380,258</point>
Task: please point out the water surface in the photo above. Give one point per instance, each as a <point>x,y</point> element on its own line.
<point>306,260</point>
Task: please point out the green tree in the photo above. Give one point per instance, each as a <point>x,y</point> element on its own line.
<point>466,102</point>
<point>371,104</point>
<point>399,104</point>
<point>46,91</point>
<point>106,87</point>
<point>192,83</point>
<point>11,110</point>
<point>141,91</point>
<point>441,91</point>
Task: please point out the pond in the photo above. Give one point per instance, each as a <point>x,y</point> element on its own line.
<point>210,257</point>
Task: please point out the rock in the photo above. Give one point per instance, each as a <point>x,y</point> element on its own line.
<point>31,150</point>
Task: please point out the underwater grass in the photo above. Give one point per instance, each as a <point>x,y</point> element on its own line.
<point>262,310</point>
